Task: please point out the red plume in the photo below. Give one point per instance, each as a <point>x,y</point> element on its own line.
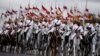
<point>9,12</point>
<point>64,7</point>
<point>14,11</point>
<point>59,8</point>
<point>35,8</point>
<point>87,10</point>
<point>33,14</point>
<point>45,10</point>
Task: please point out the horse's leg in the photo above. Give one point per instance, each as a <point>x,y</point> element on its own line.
<point>70,47</point>
<point>22,41</point>
<point>87,50</point>
<point>33,38</point>
<point>15,48</point>
<point>53,51</point>
<point>1,38</point>
<point>36,39</point>
<point>66,50</point>
<point>30,44</point>
<point>46,51</point>
<point>0,42</point>
<point>12,43</point>
<point>3,43</point>
<point>43,44</point>
<point>84,48</point>
<point>93,49</point>
<point>83,51</point>
<point>48,48</point>
<point>19,39</point>
<point>15,42</point>
<point>90,48</point>
<point>62,47</point>
<point>9,42</point>
<point>74,50</point>
<point>66,45</point>
<point>43,47</point>
<point>18,42</point>
<point>40,44</point>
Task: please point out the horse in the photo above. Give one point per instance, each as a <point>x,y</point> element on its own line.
<point>65,41</point>
<point>54,42</point>
<point>87,42</point>
<point>5,41</point>
<point>74,42</point>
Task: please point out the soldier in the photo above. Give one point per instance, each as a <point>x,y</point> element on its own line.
<point>44,36</point>
<point>67,32</point>
<point>7,28</point>
<point>45,30</point>
<point>36,31</point>
<point>91,38</point>
<point>27,27</point>
<point>77,34</point>
<point>19,33</point>
<point>97,27</point>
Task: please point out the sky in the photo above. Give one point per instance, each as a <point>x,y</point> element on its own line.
<point>93,5</point>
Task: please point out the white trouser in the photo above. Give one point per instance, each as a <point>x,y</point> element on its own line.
<point>29,33</point>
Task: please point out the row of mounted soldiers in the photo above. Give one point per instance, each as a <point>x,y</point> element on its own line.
<point>47,35</point>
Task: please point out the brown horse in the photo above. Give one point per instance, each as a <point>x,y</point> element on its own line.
<point>55,42</point>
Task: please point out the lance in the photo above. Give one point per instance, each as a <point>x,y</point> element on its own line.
<point>86,4</point>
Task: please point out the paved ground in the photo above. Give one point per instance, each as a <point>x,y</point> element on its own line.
<point>9,54</point>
